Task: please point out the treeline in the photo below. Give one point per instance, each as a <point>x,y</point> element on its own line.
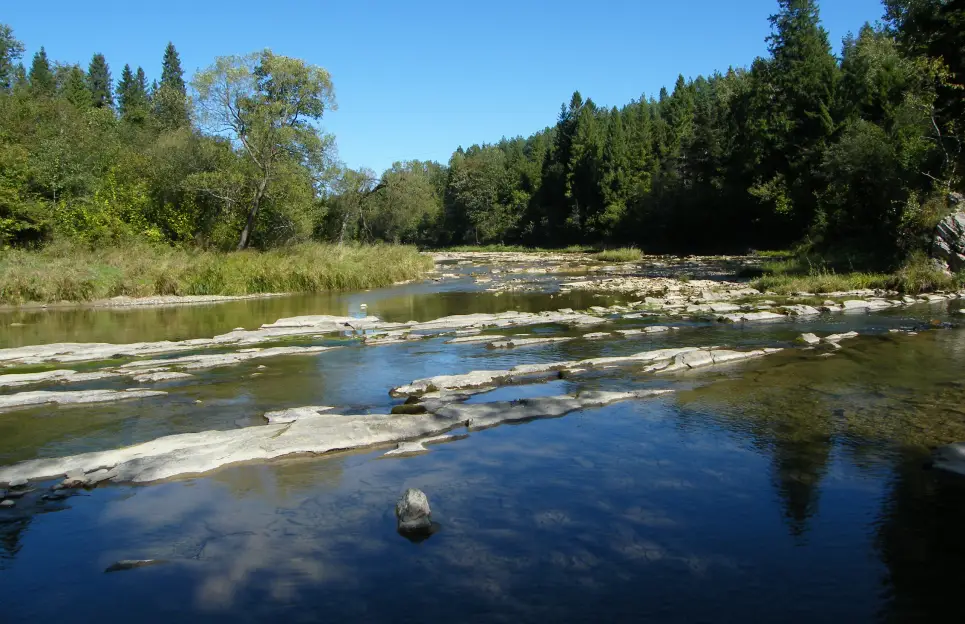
<point>858,151</point>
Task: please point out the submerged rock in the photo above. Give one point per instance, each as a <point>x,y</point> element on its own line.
<point>130,564</point>
<point>412,512</point>
<point>950,458</point>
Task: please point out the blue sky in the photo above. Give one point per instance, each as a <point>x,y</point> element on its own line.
<point>418,79</point>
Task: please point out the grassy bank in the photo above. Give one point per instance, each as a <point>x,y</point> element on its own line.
<point>805,272</point>
<point>70,273</point>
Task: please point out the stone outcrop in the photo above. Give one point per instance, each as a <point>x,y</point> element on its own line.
<point>679,358</point>
<point>949,244</point>
<point>196,453</point>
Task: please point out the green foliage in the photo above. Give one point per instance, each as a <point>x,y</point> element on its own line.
<point>170,96</point>
<point>11,50</point>
<point>99,82</point>
<point>268,103</point>
<point>40,77</point>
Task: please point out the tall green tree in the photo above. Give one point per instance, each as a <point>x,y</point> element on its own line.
<point>132,96</point>
<point>99,82</point>
<point>74,87</point>
<point>795,92</point>
<point>11,50</point>
<point>40,77</point>
<point>170,96</point>
<point>268,103</point>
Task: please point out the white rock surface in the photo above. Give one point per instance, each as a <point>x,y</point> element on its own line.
<point>810,339</point>
<point>41,397</point>
<point>58,376</point>
<point>293,414</point>
<point>195,453</point>
<point>161,376</point>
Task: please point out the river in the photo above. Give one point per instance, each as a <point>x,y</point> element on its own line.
<point>792,487</point>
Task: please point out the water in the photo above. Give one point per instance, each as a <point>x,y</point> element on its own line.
<point>791,488</point>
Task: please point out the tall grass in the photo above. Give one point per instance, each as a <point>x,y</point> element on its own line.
<point>624,254</point>
<point>64,272</point>
<point>815,274</point>
<point>517,249</point>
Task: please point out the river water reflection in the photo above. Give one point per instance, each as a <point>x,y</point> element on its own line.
<point>790,489</point>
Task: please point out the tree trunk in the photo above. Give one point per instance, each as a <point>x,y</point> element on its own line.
<point>252,215</point>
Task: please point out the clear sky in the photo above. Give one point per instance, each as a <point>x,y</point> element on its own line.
<point>418,79</point>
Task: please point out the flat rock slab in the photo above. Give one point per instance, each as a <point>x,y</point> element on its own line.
<point>161,376</point>
<point>54,376</point>
<point>196,453</point>
<point>42,397</point>
<point>293,414</point>
<point>752,317</point>
<point>691,357</point>
<point>526,342</point>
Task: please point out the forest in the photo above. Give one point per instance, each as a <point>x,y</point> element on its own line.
<point>856,150</point>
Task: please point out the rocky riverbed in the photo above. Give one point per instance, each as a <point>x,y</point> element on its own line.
<point>568,419</point>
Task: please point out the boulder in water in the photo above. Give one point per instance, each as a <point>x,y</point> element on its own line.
<point>413,513</point>
<point>950,458</point>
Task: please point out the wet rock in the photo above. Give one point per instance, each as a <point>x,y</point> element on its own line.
<point>597,336</point>
<point>54,376</point>
<point>950,458</point>
<point>410,408</point>
<point>526,342</point>
<point>802,310</point>
<point>474,339</point>
<point>162,376</point>
<point>195,453</point>
<point>16,482</point>
<point>412,512</point>
<point>15,494</point>
<point>752,317</point>
<point>809,339</point>
<point>856,305</point>
<point>293,414</point>
<point>836,338</point>
<point>7,503</point>
<point>41,397</point>
<point>131,564</point>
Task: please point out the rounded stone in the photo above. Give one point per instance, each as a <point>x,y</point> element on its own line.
<point>413,513</point>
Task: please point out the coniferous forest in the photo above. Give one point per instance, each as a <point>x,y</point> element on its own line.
<point>854,147</point>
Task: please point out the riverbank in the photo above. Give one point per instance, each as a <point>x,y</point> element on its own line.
<point>67,273</point>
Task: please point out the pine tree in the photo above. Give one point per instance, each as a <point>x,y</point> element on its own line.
<point>99,82</point>
<point>75,89</point>
<point>132,96</point>
<point>41,78</point>
<point>170,97</point>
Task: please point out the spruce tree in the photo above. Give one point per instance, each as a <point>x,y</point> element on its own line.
<point>41,78</point>
<point>124,87</point>
<point>170,97</point>
<point>75,89</point>
<point>99,82</point>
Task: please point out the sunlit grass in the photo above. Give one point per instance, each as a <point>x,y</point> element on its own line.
<point>65,272</point>
<point>624,254</point>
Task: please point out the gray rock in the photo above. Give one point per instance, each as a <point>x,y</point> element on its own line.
<point>41,397</point>
<point>836,338</point>
<point>412,512</point>
<point>948,247</point>
<point>7,503</point>
<point>752,316</point>
<point>810,339</point>
<point>160,376</point>
<point>16,482</point>
<point>802,310</point>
